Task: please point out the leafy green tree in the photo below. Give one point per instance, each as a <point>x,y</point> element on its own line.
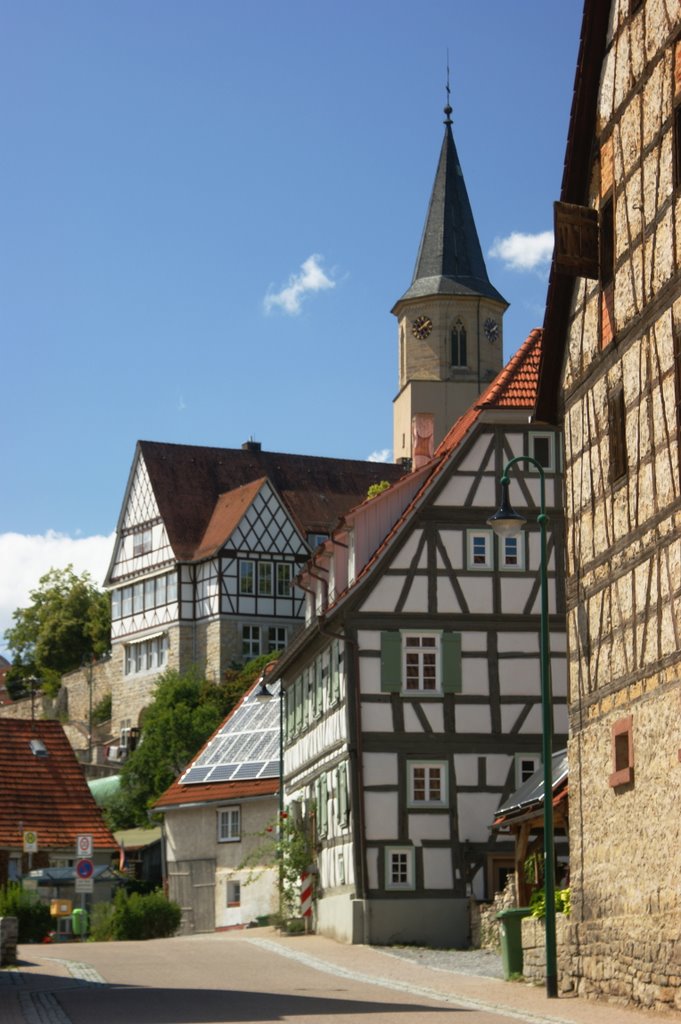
<point>185,711</point>
<point>68,619</point>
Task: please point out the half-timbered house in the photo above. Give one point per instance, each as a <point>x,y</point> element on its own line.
<point>611,374</point>
<point>413,696</point>
<point>208,543</point>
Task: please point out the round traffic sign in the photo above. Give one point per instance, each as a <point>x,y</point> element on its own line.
<point>85,868</point>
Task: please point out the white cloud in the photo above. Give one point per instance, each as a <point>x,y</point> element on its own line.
<point>310,279</point>
<point>25,558</point>
<point>382,455</point>
<point>524,252</point>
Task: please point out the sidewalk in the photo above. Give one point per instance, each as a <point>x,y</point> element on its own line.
<point>516,1000</point>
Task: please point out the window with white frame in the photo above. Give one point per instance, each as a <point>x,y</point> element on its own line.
<point>234,893</point>
<point>246,576</point>
<point>276,638</point>
<point>542,448</point>
<point>399,867</point>
<point>144,596</point>
<point>511,552</point>
<point>141,542</point>
<point>284,577</point>
<point>421,662</point>
<point>427,784</point>
<point>250,641</point>
<point>525,766</point>
<point>479,549</point>
<point>146,655</point>
<point>229,824</point>
<point>265,579</point>
<point>124,736</point>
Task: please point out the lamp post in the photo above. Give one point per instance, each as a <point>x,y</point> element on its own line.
<point>506,522</point>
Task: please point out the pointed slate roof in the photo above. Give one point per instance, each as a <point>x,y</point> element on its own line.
<point>46,794</point>
<point>450,260</point>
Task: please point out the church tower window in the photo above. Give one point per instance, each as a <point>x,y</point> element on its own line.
<point>459,355</point>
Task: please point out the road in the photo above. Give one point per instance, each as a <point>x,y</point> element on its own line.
<point>257,976</point>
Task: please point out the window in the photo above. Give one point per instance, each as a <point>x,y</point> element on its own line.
<point>421,664</point>
<point>147,655</point>
<point>246,577</point>
<point>617,435</point>
<point>315,539</point>
<point>399,867</point>
<point>677,142</point>
<point>622,753</point>
<point>421,655</point>
<point>276,638</point>
<point>541,448</point>
<point>124,737</point>
<point>459,355</point>
<point>229,824</point>
<point>511,552</point>
<point>137,598</point>
<point>265,584</point>
<point>335,658</point>
<point>427,784</point>
<point>607,243</point>
<point>342,797</point>
<point>479,549</point>
<point>250,641</point>
<point>234,894</point>
<point>144,596</point>
<point>525,766</point>
<point>141,542</point>
<point>284,575</point>
<point>677,383</point>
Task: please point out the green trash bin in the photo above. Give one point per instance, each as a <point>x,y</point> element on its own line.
<point>511,935</point>
<point>79,922</point>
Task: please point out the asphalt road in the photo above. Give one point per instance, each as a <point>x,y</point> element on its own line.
<point>257,976</point>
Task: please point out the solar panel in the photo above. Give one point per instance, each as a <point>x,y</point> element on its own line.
<point>247,746</point>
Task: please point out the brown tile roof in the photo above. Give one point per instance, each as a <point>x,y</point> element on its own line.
<point>48,795</point>
<point>188,481</point>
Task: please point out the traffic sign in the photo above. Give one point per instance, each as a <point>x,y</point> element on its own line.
<point>30,842</point>
<point>84,868</point>
<point>85,885</point>
<point>84,845</point>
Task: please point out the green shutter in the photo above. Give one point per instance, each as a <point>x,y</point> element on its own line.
<point>342,805</point>
<point>299,697</point>
<point>451,662</point>
<point>391,662</point>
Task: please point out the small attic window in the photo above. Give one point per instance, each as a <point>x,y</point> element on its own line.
<point>38,748</point>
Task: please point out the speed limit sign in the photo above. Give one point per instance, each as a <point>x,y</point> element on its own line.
<point>84,845</point>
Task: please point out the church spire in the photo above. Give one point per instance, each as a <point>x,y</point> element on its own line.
<point>450,260</point>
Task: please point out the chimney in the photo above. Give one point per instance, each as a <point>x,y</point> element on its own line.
<point>422,438</point>
<point>251,446</point>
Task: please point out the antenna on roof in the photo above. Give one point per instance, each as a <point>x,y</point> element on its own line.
<point>448,108</point>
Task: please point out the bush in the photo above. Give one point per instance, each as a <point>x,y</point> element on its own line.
<point>135,916</point>
<point>33,916</point>
<point>538,902</point>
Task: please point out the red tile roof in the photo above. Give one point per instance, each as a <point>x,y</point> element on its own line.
<point>198,793</point>
<point>48,795</point>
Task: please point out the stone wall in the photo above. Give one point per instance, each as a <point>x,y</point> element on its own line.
<point>9,936</point>
<point>534,952</point>
<point>484,924</point>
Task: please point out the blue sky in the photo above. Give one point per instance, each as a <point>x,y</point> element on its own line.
<point>208,211</point>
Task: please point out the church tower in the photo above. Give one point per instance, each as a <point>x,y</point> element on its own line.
<point>449,320</point>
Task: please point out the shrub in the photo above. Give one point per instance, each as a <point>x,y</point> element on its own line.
<point>33,917</point>
<point>135,916</point>
<point>538,902</point>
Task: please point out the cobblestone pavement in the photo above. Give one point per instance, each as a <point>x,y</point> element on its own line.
<point>480,963</point>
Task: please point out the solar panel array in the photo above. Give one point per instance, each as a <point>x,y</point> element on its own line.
<point>246,747</point>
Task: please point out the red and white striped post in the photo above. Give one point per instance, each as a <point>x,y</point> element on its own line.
<point>306,893</point>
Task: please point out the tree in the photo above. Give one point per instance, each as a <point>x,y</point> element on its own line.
<point>185,711</point>
<point>68,619</point>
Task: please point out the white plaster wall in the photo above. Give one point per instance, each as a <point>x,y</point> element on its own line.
<point>428,826</point>
<point>379,769</point>
<point>437,868</point>
<point>381,815</point>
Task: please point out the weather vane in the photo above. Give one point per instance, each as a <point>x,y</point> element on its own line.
<point>448,108</point>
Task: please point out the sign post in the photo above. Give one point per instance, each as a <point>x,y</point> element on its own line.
<point>84,870</point>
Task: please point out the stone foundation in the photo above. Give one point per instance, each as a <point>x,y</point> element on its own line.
<point>9,933</point>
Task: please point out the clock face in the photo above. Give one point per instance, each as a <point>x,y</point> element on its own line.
<point>491,329</point>
<point>421,327</point>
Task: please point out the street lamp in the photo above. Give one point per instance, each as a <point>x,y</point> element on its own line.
<point>506,522</point>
